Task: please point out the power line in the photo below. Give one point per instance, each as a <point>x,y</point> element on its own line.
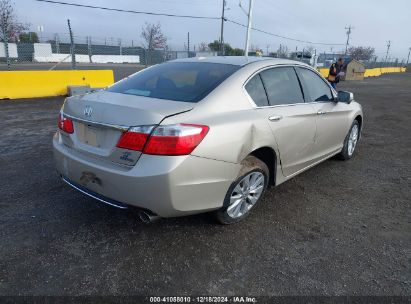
<point>280,36</point>
<point>182,16</point>
<point>128,11</point>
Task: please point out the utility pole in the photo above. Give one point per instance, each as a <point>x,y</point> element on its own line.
<point>249,15</point>
<point>188,45</point>
<point>409,51</point>
<point>72,50</point>
<point>268,46</point>
<point>89,49</point>
<point>57,41</point>
<point>349,28</point>
<point>388,49</point>
<point>222,46</point>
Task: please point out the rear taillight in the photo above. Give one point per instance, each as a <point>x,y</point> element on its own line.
<point>179,139</point>
<point>65,124</point>
<point>135,138</point>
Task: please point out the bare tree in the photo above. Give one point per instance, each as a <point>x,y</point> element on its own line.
<point>254,47</point>
<point>203,47</point>
<point>361,52</point>
<point>309,49</point>
<point>9,25</point>
<point>153,36</point>
<point>282,51</point>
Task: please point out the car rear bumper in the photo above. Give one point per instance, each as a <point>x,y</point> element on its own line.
<point>165,185</point>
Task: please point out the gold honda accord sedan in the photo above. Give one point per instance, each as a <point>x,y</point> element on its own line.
<point>203,135</point>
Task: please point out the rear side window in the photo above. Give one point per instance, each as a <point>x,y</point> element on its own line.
<point>282,86</point>
<point>256,91</point>
<point>315,89</point>
<point>180,81</point>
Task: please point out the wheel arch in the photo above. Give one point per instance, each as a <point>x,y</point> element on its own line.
<point>269,157</point>
<point>360,122</point>
<point>359,119</point>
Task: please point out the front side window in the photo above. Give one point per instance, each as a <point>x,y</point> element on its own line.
<point>256,91</point>
<point>282,86</point>
<point>179,81</point>
<point>315,89</point>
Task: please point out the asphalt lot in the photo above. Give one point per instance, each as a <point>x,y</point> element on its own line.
<point>341,228</point>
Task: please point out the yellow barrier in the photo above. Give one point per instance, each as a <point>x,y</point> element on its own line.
<point>28,84</point>
<point>369,72</point>
<point>324,72</point>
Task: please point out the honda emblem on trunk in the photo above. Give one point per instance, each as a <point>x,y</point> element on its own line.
<point>88,110</point>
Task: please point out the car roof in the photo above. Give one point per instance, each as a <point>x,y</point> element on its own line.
<point>238,60</point>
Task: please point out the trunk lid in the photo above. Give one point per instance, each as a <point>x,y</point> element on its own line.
<point>122,109</point>
<point>100,119</point>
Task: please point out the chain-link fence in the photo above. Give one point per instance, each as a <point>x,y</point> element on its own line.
<point>325,60</point>
<point>53,50</point>
<point>57,49</point>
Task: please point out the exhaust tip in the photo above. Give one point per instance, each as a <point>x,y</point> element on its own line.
<point>147,218</point>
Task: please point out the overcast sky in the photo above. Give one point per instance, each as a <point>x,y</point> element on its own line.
<point>374,21</point>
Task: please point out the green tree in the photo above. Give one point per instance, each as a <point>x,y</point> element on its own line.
<point>215,46</point>
<point>228,50</point>
<point>29,37</point>
<point>236,52</point>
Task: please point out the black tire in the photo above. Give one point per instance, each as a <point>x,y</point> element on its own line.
<point>250,164</point>
<point>344,154</point>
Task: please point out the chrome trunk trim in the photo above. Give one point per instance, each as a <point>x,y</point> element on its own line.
<point>88,122</point>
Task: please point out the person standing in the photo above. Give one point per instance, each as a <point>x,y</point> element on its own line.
<point>336,72</point>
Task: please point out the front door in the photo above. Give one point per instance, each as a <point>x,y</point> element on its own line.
<point>294,130</point>
<point>331,116</point>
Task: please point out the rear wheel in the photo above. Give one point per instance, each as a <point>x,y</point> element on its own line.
<point>245,192</point>
<point>350,142</point>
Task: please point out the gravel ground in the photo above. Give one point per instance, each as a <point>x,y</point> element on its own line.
<point>341,228</point>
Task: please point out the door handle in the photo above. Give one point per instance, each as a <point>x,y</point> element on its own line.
<point>320,112</point>
<point>275,118</point>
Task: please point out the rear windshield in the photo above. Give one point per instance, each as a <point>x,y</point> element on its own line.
<point>180,81</point>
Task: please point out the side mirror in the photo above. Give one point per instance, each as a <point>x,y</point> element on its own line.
<point>345,96</point>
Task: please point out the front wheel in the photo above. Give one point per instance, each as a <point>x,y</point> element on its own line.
<point>350,142</point>
<point>245,192</point>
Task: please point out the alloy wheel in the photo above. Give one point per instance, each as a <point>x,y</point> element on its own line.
<point>245,194</point>
<point>352,140</point>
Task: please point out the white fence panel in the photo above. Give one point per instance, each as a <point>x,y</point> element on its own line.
<point>115,59</point>
<point>12,50</point>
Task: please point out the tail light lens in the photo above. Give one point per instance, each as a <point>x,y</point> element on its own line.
<point>179,139</point>
<point>135,138</point>
<point>65,124</point>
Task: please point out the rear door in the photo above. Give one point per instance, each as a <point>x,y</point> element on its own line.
<point>331,116</point>
<point>279,99</point>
